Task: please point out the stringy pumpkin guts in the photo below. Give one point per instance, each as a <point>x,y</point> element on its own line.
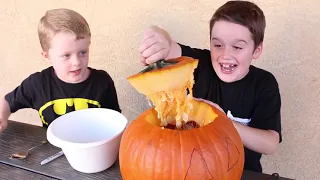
<point>167,89</point>
<point>173,106</point>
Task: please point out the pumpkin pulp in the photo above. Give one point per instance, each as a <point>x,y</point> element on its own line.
<point>200,115</point>
<point>167,89</point>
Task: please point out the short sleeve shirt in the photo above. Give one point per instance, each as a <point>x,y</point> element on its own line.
<point>253,101</point>
<point>52,97</point>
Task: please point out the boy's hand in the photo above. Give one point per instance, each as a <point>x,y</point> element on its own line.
<point>155,45</point>
<point>3,124</point>
<point>209,102</point>
<point>4,114</point>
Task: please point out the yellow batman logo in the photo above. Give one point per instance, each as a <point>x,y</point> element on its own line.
<point>60,106</point>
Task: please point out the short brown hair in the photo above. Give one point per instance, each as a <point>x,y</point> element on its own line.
<point>244,13</point>
<point>61,20</point>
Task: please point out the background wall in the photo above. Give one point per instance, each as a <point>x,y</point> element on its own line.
<point>291,52</point>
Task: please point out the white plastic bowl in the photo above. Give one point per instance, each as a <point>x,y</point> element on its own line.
<point>90,138</point>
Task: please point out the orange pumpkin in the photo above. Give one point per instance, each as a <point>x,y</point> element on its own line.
<point>149,150</point>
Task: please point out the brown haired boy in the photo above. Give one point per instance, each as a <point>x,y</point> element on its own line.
<point>248,95</point>
<point>69,84</point>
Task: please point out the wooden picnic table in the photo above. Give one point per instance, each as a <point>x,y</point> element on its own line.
<point>8,172</point>
<point>20,136</point>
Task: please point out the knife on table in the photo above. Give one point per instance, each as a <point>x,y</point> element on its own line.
<point>51,158</point>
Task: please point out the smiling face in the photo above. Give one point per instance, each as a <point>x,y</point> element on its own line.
<point>69,57</point>
<point>232,50</point>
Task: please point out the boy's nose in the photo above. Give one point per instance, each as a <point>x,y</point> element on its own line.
<point>75,61</point>
<point>226,53</point>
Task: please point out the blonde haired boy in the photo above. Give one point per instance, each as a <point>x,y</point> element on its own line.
<point>69,84</point>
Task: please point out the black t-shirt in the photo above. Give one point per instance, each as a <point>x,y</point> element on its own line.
<point>52,97</point>
<point>254,100</point>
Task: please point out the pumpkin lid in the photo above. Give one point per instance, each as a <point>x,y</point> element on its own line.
<point>174,76</point>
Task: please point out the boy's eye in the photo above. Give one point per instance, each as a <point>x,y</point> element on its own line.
<point>83,52</point>
<point>217,45</point>
<point>66,56</point>
<point>237,47</point>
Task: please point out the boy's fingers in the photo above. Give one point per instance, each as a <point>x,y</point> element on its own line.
<point>153,50</point>
<point>3,126</point>
<point>154,45</point>
<point>151,31</point>
<point>156,57</point>
<point>143,60</point>
<point>147,43</point>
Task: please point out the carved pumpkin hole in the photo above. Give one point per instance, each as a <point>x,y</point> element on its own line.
<point>185,126</point>
<point>201,115</point>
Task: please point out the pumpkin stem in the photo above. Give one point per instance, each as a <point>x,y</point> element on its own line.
<point>158,65</point>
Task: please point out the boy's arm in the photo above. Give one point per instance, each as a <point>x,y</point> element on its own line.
<point>262,141</point>
<point>21,97</point>
<point>258,140</point>
<point>264,135</point>
<point>4,114</point>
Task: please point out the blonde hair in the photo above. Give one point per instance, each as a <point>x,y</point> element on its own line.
<point>61,20</point>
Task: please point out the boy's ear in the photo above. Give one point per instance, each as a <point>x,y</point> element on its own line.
<point>257,52</point>
<point>44,54</point>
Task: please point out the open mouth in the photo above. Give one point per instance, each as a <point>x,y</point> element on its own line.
<point>76,72</point>
<point>228,68</point>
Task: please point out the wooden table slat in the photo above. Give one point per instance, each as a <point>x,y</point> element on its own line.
<point>8,172</point>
